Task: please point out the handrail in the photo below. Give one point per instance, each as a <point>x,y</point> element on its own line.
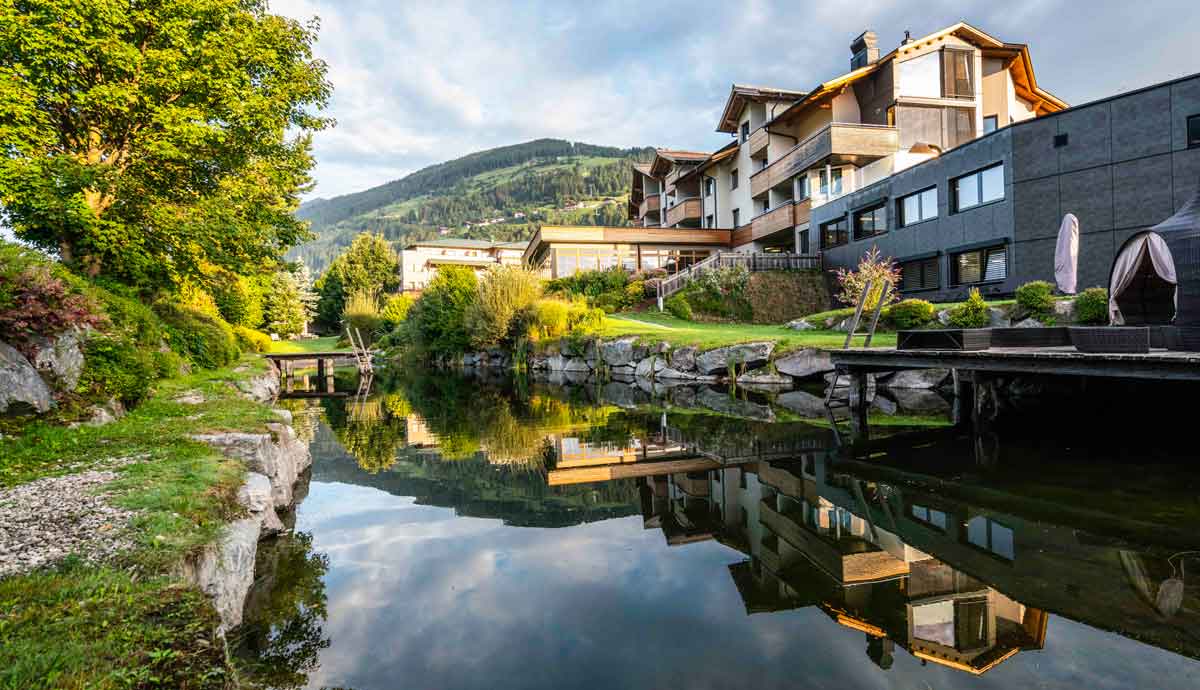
<point>814,135</point>
<point>753,262</point>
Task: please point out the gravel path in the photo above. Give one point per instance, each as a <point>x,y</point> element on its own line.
<point>49,519</point>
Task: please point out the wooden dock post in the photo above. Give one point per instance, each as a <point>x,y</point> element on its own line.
<point>859,403</point>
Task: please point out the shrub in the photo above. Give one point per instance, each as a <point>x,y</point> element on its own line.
<point>283,304</point>
<point>250,340</point>
<point>678,305</point>
<point>238,299</point>
<point>116,368</point>
<point>635,293</point>
<point>546,319</point>
<point>395,310</point>
<point>873,268</point>
<point>167,363</point>
<point>34,302</point>
<point>1091,306</point>
<point>362,315</point>
<point>128,315</point>
<point>1036,297</point>
<point>971,314</point>
<point>503,292</point>
<point>438,316</point>
<point>205,340</point>
<point>779,296</point>
<point>590,283</point>
<point>910,313</point>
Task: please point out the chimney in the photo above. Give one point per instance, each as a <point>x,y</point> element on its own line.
<point>864,50</point>
<point>907,38</point>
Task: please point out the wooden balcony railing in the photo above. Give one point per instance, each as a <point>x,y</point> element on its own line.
<point>684,211</point>
<point>843,141</point>
<point>651,204</point>
<point>759,139</point>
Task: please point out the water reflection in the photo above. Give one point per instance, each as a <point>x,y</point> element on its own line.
<point>711,548</point>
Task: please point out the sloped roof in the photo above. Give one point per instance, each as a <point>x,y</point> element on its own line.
<point>740,94</point>
<point>665,159</point>
<point>464,243</point>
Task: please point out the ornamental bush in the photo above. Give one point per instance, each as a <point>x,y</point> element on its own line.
<point>362,314</point>
<point>34,302</point>
<point>679,307</point>
<point>1036,297</point>
<point>873,268</point>
<point>910,313</point>
<point>250,340</point>
<point>438,316</point>
<point>116,368</point>
<point>205,340</point>
<point>1091,306</point>
<point>395,310</point>
<point>503,292</point>
<point>971,314</point>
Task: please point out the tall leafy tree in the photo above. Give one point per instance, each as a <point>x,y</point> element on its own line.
<point>282,307</point>
<point>151,141</point>
<point>369,265</point>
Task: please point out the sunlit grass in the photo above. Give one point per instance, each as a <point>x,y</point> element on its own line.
<point>662,326</point>
<point>287,347</point>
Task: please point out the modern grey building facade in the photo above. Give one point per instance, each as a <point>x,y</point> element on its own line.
<point>1120,165</point>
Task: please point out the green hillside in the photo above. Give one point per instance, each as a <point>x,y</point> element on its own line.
<point>500,194</point>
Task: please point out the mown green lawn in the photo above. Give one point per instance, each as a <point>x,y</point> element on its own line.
<point>328,344</point>
<point>663,326</point>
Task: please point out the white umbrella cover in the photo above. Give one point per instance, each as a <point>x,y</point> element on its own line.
<point>1066,254</point>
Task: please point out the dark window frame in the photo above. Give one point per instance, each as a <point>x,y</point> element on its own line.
<point>873,209</point>
<point>995,123</point>
<point>1192,131</point>
<point>733,179</point>
<point>710,186</point>
<point>843,232</point>
<point>945,65</point>
<point>737,212</point>
<point>984,260</point>
<point>955,203</point>
<point>924,266</point>
<point>902,220</point>
<point>745,131</point>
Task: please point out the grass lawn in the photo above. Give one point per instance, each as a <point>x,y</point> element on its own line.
<point>129,622</point>
<point>327,344</point>
<point>663,326</point>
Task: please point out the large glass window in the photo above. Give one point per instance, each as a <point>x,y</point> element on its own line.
<point>979,187</point>
<point>991,536</point>
<point>1193,131</point>
<point>570,260</point>
<point>979,266</point>
<point>870,222</point>
<point>960,126</point>
<point>918,206</point>
<point>802,187</point>
<point>920,76</point>
<point>834,234</point>
<point>921,274</point>
<point>831,182</point>
<point>957,68</point>
<point>672,260</point>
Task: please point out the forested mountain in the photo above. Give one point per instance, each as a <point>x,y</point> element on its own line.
<point>500,194</point>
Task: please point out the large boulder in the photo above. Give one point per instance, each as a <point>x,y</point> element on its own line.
<point>576,365</point>
<point>1029,322</point>
<point>683,358</point>
<point>917,378</point>
<point>225,571</point>
<point>762,377</point>
<point>279,455</point>
<point>21,389</point>
<point>800,325</point>
<point>804,363</point>
<point>60,359</point>
<point>1064,311</point>
<point>723,402</point>
<point>261,387</point>
<point>616,353</point>
<point>917,401</point>
<point>255,496</point>
<point>649,367</point>
<point>804,404</point>
<point>744,356</point>
<point>998,318</point>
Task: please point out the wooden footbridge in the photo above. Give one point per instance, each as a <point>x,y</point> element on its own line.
<point>358,355</point>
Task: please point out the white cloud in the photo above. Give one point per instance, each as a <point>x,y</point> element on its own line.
<point>420,82</point>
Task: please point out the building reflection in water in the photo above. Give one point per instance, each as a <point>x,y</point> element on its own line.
<point>875,558</point>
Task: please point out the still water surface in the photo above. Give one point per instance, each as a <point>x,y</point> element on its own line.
<point>463,534</point>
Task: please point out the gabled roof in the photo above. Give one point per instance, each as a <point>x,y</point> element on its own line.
<point>665,159</point>
<point>1026,85</point>
<point>741,94</point>
<point>724,153</point>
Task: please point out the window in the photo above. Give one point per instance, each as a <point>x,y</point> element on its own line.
<point>708,221</point>
<point>745,131</point>
<point>763,163</point>
<point>804,241</point>
<point>990,123</point>
<point>991,536</point>
<point>737,214</point>
<point>1193,131</point>
<point>960,126</point>
<point>709,185</point>
<point>929,516</point>
<point>979,187</point>
<point>672,260</point>
<point>979,266</point>
<point>918,206</point>
<point>834,189</point>
<point>834,234</point>
<point>920,274</point>
<point>765,205</point>
<point>733,179</point>
<point>802,187</point>
<point>870,222</point>
<point>957,70</point>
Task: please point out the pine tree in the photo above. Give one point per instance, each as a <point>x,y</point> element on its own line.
<point>283,306</point>
<point>308,296</point>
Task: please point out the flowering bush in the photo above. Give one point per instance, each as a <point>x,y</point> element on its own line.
<point>874,268</point>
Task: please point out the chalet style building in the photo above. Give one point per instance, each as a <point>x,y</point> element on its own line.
<point>945,153</point>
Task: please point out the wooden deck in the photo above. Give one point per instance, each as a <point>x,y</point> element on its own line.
<point>1057,361</point>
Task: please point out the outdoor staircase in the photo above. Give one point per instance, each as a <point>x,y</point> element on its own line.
<point>755,262</point>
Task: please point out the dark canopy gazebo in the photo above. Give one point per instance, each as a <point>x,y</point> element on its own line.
<point>1155,277</point>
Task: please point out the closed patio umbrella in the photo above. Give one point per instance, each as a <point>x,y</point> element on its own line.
<point>1066,254</point>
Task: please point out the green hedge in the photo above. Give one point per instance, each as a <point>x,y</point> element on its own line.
<point>250,340</point>
<point>116,368</point>
<point>1091,306</point>
<point>206,341</point>
<point>1036,297</point>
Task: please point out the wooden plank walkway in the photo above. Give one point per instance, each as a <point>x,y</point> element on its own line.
<point>1157,364</point>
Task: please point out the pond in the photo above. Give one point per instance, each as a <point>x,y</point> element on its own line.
<point>469,533</point>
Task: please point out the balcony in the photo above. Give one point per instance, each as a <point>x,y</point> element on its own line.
<point>758,142</point>
<point>684,211</point>
<point>782,217</point>
<point>838,142</point>
<point>651,204</point>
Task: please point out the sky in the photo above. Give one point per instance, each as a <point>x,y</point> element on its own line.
<point>420,82</point>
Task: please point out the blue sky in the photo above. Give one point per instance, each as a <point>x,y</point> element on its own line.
<point>420,82</point>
